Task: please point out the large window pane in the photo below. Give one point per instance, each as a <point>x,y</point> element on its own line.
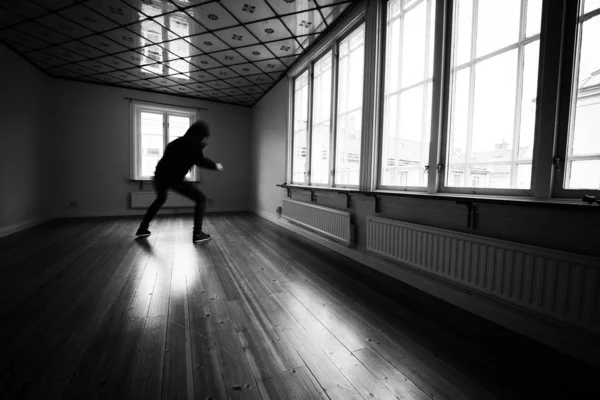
<point>300,128</point>
<point>152,141</point>
<point>407,108</point>
<point>591,5</point>
<point>584,138</point>
<point>321,119</point>
<point>492,113</point>
<point>349,113</point>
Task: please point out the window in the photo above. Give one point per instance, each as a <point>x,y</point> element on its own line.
<point>494,93</point>
<point>299,156</point>
<point>322,155</point>
<point>153,128</point>
<point>407,92</point>
<point>582,167</point>
<point>349,108</point>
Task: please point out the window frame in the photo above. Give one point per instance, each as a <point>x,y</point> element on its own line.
<point>136,110</point>
<point>382,98</point>
<point>570,67</point>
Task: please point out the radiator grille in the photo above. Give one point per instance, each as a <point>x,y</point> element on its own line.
<point>332,223</point>
<point>144,199</point>
<point>556,284</point>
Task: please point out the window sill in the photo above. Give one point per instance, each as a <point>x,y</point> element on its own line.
<point>467,199</point>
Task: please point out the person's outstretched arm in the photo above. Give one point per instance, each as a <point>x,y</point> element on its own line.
<point>207,163</point>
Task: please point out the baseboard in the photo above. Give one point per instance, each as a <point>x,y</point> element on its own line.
<point>14,228</point>
<point>552,333</point>
<point>141,212</point>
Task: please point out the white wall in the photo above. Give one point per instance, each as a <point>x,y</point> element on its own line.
<point>269,129</point>
<point>92,148</point>
<point>24,130</point>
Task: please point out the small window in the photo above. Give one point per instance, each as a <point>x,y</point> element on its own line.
<point>152,129</point>
<point>300,139</point>
<point>583,151</point>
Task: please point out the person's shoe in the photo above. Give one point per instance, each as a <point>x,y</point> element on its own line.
<point>142,232</point>
<point>201,237</point>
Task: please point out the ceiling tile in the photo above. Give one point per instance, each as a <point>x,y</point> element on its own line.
<point>291,6</point>
<point>122,75</point>
<point>114,10</point>
<point>96,66</point>
<point>24,8</point>
<point>237,37</point>
<point>202,76</point>
<point>181,24</point>
<point>105,44</point>
<point>199,87</point>
<point>42,57</point>
<point>238,82</point>
<point>126,38</point>
<point>146,84</point>
<point>284,48</point>
<point>207,42</point>
<point>180,65</point>
<point>181,48</point>
<point>14,37</point>
<point>228,57</point>
<point>63,53</point>
<point>151,31</point>
<point>248,10</point>
<point>163,81</point>
<point>88,18</point>
<point>219,85</point>
<point>269,30</point>
<point>79,69</point>
<point>155,53</point>
<point>275,75</point>
<point>246,69</point>
<point>165,90</point>
<point>255,53</point>
<point>304,23</point>
<point>42,33</point>
<point>288,61</point>
<point>83,49</point>
<point>222,73</point>
<point>135,58</point>
<point>259,79</point>
<point>143,72</point>
<point>266,86</point>
<point>306,41</point>
<point>64,26</point>
<point>251,89</point>
<point>216,93</point>
<point>270,65</point>
<point>212,16</point>
<point>115,62</point>
<point>151,8</point>
<point>108,79</point>
<point>332,13</point>
<point>233,91</point>
<point>205,62</point>
<point>182,89</point>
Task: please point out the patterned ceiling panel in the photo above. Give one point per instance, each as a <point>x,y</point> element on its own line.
<point>230,51</point>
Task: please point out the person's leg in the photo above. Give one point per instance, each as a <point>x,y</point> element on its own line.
<point>188,190</point>
<point>161,197</point>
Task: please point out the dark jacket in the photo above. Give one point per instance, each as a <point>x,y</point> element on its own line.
<point>178,159</point>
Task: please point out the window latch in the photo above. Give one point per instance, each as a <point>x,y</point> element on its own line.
<point>557,163</point>
<point>426,169</point>
<point>439,167</point>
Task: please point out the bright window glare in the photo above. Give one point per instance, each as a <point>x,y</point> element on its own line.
<point>300,128</point>
<point>583,157</point>
<point>151,141</point>
<point>493,107</point>
<point>591,5</point>
<point>349,114</point>
<point>407,103</point>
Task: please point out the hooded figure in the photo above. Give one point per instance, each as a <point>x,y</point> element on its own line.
<point>179,157</point>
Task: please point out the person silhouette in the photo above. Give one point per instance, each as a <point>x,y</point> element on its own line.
<point>179,157</point>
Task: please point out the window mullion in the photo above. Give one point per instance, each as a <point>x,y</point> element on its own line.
<point>471,93</point>
<point>519,95</point>
<point>333,123</point>
<point>311,77</point>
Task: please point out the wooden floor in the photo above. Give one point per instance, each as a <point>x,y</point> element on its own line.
<point>257,313</point>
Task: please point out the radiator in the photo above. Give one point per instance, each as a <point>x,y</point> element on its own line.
<point>558,285</point>
<point>174,200</point>
<point>329,222</point>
